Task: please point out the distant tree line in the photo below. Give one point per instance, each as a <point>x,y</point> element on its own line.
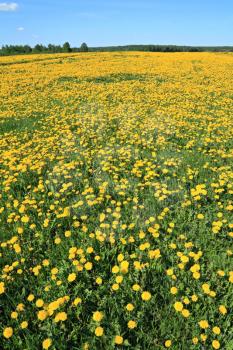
<point>39,48</point>
<point>164,48</point>
<point>149,48</point>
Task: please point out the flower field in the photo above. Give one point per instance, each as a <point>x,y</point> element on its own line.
<point>116,186</point>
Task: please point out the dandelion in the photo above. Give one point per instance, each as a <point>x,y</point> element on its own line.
<point>77,301</point>
<point>2,287</point>
<point>132,324</point>
<point>118,340</point>
<point>215,344</point>
<point>99,280</point>
<point>216,330</point>
<point>88,266</point>
<point>71,277</point>
<point>129,307</point>
<point>39,303</point>
<point>146,296</point>
<point>24,324</point>
<point>8,332</point>
<point>25,219</point>
<point>60,316</point>
<point>168,343</point>
<point>203,324</point>
<point>47,343</point>
<point>195,340</point>
<point>115,286</point>
<point>42,315</point>
<point>99,331</point>
<point>97,316</point>
<point>178,306</point>
<point>173,290</point>
<point>222,309</point>
<point>185,313</point>
<point>136,287</point>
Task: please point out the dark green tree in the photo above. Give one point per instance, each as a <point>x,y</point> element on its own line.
<point>84,48</point>
<point>39,48</point>
<point>27,49</point>
<point>66,47</point>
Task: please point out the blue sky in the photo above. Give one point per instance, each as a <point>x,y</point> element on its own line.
<point>110,22</point>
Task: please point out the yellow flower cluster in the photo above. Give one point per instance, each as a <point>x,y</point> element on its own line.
<point>116,204</point>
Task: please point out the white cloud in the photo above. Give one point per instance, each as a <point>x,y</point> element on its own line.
<point>20,29</point>
<point>8,6</point>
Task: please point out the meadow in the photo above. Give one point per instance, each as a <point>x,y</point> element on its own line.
<point>116,201</point>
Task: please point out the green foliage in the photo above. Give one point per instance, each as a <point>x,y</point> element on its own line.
<point>134,163</point>
<point>84,48</point>
<point>39,48</point>
<point>66,47</point>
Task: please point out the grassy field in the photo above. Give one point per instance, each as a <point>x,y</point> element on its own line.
<point>116,201</point>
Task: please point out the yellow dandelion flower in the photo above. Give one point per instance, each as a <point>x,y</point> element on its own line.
<point>46,343</point>
<point>99,331</point>
<point>118,340</point>
<point>146,296</point>
<point>97,316</point>
<point>132,324</point>
<point>8,332</point>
